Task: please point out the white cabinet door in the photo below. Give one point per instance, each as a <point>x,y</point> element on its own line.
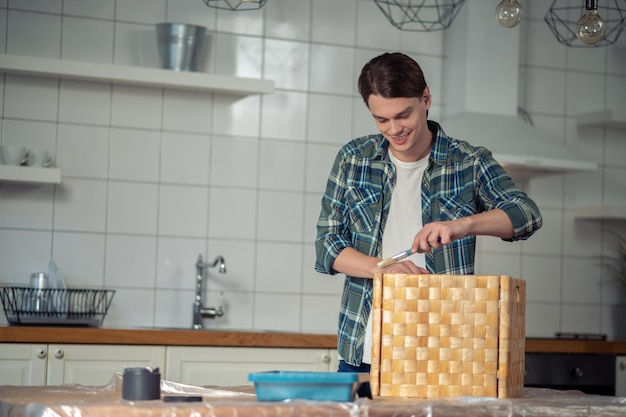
<point>230,366</point>
<point>23,364</point>
<point>333,365</point>
<point>96,364</point>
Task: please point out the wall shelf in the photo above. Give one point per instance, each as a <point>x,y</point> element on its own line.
<point>600,118</point>
<point>525,167</point>
<point>600,212</point>
<point>142,76</point>
<point>32,175</point>
<point>527,151</point>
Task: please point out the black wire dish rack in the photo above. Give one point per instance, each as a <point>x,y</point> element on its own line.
<point>54,306</point>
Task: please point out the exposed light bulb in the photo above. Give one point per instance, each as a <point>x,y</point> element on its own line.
<point>509,13</point>
<point>590,28</point>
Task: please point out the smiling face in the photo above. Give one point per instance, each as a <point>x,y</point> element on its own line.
<point>402,121</point>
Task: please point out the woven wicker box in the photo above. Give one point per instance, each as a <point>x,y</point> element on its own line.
<point>448,335</point>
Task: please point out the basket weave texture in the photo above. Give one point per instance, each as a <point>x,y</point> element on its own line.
<point>448,335</point>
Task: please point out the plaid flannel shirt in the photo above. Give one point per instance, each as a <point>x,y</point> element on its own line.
<point>460,180</point>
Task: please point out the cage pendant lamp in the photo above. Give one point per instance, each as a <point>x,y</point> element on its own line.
<point>563,16</point>
<point>235,5</point>
<point>420,15</point>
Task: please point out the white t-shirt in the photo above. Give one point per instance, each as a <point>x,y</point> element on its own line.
<point>403,223</point>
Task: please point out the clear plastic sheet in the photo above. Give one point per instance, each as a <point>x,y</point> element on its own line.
<point>103,401</point>
<point>536,402</point>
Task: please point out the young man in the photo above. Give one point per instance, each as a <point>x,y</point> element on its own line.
<point>409,186</point>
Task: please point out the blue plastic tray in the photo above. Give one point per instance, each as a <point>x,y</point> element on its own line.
<point>318,386</point>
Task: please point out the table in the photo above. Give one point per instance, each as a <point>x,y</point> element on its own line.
<point>104,401</point>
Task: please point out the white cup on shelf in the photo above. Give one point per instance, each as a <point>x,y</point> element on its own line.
<point>41,158</point>
<point>14,154</point>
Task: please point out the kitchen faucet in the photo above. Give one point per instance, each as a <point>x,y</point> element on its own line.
<point>199,311</point>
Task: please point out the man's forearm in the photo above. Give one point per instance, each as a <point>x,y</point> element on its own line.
<point>490,223</point>
<point>355,264</point>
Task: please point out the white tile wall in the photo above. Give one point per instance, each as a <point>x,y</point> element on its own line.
<point>72,98</point>
<point>324,111</point>
<point>134,155</point>
<point>234,162</point>
<point>280,216</point>
<point>283,116</point>
<point>187,219</point>
<point>193,12</point>
<point>247,23</point>
<point>126,101</point>
<point>311,213</point>
<point>587,59</point>
<point>26,207</point>
<point>579,140</point>
<point>552,54</point>
<point>102,9</point>
<point>80,205</point>
<point>187,111</point>
<point>288,19</point>
<point>130,261</point>
<point>612,317</point>
<point>87,40</point>
<point>152,178</point>
<point>241,56</point>
<point>183,158</point>
<point>237,116</point>
<point>319,161</point>
<point>82,256</point>
<point>585,92</point>
<point>281,165</point>
<point>135,44</point>
<point>24,250</point>
<point>581,282</point>
<point>328,64</point>
<point>287,62</point>
<point>35,34</point>
<point>615,149</point>
<point>543,278</point>
<point>384,36</point>
<point>142,11</point>
<point>269,311</point>
<point>83,151</point>
<point>274,263</point>
<point>31,98</point>
<point>232,213</point>
<point>132,208</point>
<point>335,21</point>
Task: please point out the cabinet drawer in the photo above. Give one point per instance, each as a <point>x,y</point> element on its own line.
<point>591,373</point>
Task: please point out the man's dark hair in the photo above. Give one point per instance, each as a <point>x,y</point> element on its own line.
<point>392,75</point>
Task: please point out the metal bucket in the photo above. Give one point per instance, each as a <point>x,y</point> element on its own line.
<point>180,45</point>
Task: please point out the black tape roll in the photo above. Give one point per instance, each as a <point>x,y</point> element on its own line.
<point>141,384</point>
